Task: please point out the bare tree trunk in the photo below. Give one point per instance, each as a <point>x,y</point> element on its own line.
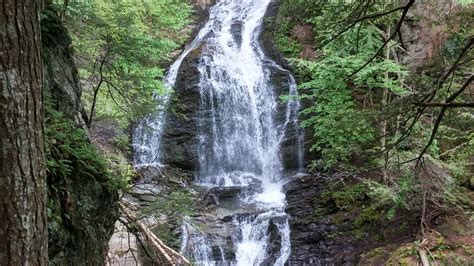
<point>383,139</point>
<point>97,88</point>
<point>23,230</point>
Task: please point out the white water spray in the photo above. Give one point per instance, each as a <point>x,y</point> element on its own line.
<point>239,135</point>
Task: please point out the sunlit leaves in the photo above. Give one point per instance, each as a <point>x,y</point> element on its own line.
<point>131,39</point>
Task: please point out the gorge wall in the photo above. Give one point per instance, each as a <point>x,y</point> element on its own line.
<point>81,208</point>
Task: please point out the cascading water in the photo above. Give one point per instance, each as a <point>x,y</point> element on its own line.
<point>239,136</point>
<point>148,133</point>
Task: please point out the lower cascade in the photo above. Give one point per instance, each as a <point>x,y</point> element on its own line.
<point>239,142</point>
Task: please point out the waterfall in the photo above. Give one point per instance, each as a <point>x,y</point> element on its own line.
<point>146,137</point>
<point>239,136</point>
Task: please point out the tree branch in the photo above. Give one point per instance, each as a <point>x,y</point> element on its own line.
<point>371,16</point>
<point>447,105</point>
<point>397,29</point>
<point>441,115</point>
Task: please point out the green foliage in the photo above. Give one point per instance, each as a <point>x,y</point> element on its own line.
<point>287,45</point>
<point>342,124</point>
<point>341,128</point>
<point>68,150</point>
<point>400,196</point>
<point>120,47</point>
<point>299,10</point>
<point>120,170</point>
<point>164,232</point>
<point>123,143</point>
<point>177,204</point>
<point>69,155</point>
<point>358,110</point>
<point>368,216</point>
<point>465,2</point>
<point>345,197</point>
<point>328,18</point>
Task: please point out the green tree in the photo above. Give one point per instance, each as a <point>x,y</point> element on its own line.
<point>120,48</point>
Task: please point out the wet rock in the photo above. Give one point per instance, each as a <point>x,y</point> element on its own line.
<point>145,189</point>
<point>218,234</point>
<point>179,143</point>
<point>149,173</point>
<point>236,31</point>
<point>220,194</point>
<point>203,4</point>
<point>333,238</point>
<point>274,245</point>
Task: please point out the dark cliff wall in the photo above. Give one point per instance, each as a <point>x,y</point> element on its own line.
<point>81,208</point>
<point>179,143</point>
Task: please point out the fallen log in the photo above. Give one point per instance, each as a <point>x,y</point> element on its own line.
<point>165,253</point>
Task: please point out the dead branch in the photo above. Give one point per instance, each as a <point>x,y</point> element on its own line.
<point>169,256</point>
<point>405,9</point>
<point>447,105</point>
<point>371,16</point>
<point>441,115</point>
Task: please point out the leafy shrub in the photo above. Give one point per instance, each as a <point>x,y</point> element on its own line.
<point>403,195</point>
<point>176,204</point>
<point>369,215</point>
<point>69,154</point>
<point>345,197</point>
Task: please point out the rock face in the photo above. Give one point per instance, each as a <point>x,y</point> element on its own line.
<point>309,242</point>
<point>82,216</point>
<point>203,4</point>
<point>426,30</point>
<point>303,33</point>
<point>180,141</point>
<point>332,237</point>
<point>61,80</point>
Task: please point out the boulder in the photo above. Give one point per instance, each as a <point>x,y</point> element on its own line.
<point>149,173</point>
<point>304,34</point>
<point>220,194</point>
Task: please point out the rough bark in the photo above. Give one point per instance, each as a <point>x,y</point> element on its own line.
<point>23,230</point>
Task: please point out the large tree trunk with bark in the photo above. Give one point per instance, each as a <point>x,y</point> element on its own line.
<point>23,229</point>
